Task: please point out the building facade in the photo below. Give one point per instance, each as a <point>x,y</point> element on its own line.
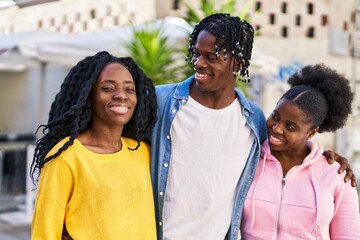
<point>73,17</point>
<point>305,32</point>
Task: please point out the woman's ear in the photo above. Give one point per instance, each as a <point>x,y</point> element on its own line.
<point>312,132</point>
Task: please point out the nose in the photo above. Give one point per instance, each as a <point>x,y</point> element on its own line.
<point>276,128</point>
<point>197,61</point>
<point>120,95</point>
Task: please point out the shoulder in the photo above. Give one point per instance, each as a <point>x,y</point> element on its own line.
<point>248,105</point>
<point>57,146</point>
<point>165,89</point>
<point>328,173</point>
<point>181,88</point>
<point>131,143</point>
<point>256,109</point>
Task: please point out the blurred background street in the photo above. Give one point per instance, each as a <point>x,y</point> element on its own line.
<point>40,40</point>
<point>10,227</point>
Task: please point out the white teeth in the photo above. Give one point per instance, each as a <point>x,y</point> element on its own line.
<point>201,75</point>
<point>275,139</point>
<point>119,109</point>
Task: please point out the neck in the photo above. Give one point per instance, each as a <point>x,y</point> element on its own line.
<point>101,140</point>
<point>290,158</point>
<point>213,99</point>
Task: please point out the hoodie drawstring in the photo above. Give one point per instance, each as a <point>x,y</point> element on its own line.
<point>255,190</point>
<point>316,201</point>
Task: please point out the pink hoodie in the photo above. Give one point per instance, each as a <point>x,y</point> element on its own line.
<point>310,202</point>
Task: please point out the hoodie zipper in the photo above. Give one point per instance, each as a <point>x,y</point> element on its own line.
<point>283,183</point>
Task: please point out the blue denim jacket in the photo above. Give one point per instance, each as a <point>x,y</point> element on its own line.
<point>170,98</point>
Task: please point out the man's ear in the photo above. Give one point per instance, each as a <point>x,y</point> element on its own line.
<point>236,66</point>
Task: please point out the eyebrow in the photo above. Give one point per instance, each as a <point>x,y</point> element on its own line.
<point>205,51</point>
<point>113,81</point>
<point>286,120</point>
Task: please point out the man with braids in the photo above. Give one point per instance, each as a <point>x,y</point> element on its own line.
<point>295,194</point>
<point>207,140</point>
<point>94,167</point>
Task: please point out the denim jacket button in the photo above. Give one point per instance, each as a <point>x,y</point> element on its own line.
<point>166,165</point>
<point>161,193</point>
<point>168,136</point>
<point>173,111</point>
<point>160,223</point>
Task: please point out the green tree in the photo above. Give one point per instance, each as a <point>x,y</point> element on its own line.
<point>157,57</point>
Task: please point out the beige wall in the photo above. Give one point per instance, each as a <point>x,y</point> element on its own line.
<point>69,16</point>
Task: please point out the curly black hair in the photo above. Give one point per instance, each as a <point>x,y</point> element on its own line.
<point>323,94</point>
<point>70,112</point>
<point>232,35</point>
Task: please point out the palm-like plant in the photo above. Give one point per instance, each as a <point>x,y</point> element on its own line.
<point>157,57</point>
<point>207,7</point>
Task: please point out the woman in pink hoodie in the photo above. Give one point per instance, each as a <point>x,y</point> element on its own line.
<point>295,193</point>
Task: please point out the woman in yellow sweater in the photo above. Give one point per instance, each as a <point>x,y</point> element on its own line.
<point>94,167</point>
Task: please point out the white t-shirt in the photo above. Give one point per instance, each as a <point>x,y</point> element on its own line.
<point>209,151</point>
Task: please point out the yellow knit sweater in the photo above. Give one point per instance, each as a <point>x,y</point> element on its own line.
<point>97,196</point>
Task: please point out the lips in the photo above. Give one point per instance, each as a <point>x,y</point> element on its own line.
<point>201,75</point>
<point>122,109</point>
<point>274,140</point>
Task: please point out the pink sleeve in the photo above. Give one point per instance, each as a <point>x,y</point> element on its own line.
<point>346,221</point>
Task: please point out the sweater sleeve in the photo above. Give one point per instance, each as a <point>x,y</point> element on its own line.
<point>346,221</point>
<point>53,193</point>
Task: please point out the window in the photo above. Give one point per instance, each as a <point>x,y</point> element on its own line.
<point>310,32</point>
<point>272,18</point>
<point>52,21</point>
<point>352,17</point>
<point>116,21</point>
<point>310,8</point>
<point>284,32</point>
<point>257,6</point>
<point>64,19</point>
<point>284,7</point>
<point>298,20</point>
<point>176,4</point>
<point>92,13</point>
<point>324,20</point>
<point>108,11</point>
<point>78,17</point>
<point>350,39</point>
<point>345,26</point>
<point>40,24</point>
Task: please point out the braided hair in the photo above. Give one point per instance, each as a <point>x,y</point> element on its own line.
<point>70,112</point>
<point>323,94</point>
<point>232,35</point>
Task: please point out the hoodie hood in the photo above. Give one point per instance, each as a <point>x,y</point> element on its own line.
<point>314,155</point>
